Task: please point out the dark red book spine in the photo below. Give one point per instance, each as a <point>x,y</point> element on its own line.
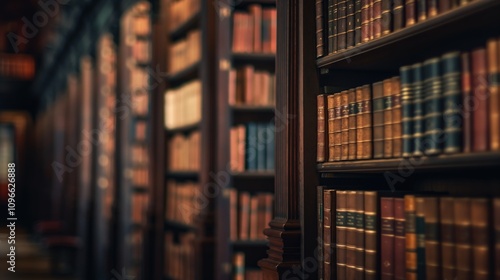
<point>467,97</point>
<point>387,238</point>
<point>480,97</point>
<point>399,239</point>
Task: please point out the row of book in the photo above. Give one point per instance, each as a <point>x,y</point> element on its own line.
<point>248,86</point>
<point>249,215</point>
<point>254,31</point>
<point>140,176</point>
<point>140,202</point>
<point>140,154</point>
<point>391,235</point>
<point>446,104</point>
<point>342,24</point>
<point>180,256</point>
<point>180,11</point>
<point>184,152</point>
<point>183,105</point>
<point>241,272</point>
<point>17,66</point>
<point>181,202</point>
<point>185,51</point>
<point>252,147</point>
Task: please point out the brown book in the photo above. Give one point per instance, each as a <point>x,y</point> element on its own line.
<point>365,21</point>
<point>399,239</point>
<point>397,129</point>
<point>359,122</point>
<point>320,49</point>
<point>378,120</point>
<point>268,216</point>
<point>388,94</point>
<point>329,206</point>
<point>421,10</point>
<point>341,231</point>
<point>387,238</point>
<point>411,237</point>
<point>274,30</point>
<point>445,5</point>
<point>261,219</point>
<point>370,22</point>
<point>377,18</point>
<point>233,214</point>
<point>496,237</point>
<point>493,47</point>
<point>432,8</point>
<point>432,239</point>
<point>342,25</point>
<point>446,217</point>
<point>352,124</point>
<point>345,125</point>
<point>254,218</point>
<point>480,221</point>
<point>463,238</point>
<point>244,215</point>
<point>249,84</point>
<point>371,235</point>
<point>365,110</point>
<point>386,16</point>
<point>467,96</point>
<point>322,116</point>
<point>411,12</point>
<point>398,14</point>
<point>256,12</point>
<point>360,235</point>
<point>481,98</point>
<point>239,266</point>
<point>351,236</point>
<point>331,126</point>
<point>321,238</point>
<point>337,127</point>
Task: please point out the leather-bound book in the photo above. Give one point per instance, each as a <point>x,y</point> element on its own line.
<point>463,238</point>
<point>433,106</point>
<point>344,95</point>
<point>327,232</point>
<point>398,15</point>
<point>397,130</point>
<point>493,47</point>
<point>320,46</point>
<point>244,216</point>
<point>341,231</point>
<point>337,124</point>
<point>360,236</point>
<point>365,21</point>
<point>388,137</point>
<point>399,239</point>
<point>359,122</point>
<point>407,110</point>
<point>254,221</point>
<point>357,21</point>
<point>387,238</point>
<point>351,236</point>
<point>386,17</point>
<point>421,10</point>
<point>378,120</point>
<point>330,22</point>
<point>418,110</point>
<point>371,17</point>
<point>411,237</point>
<point>342,24</point>
<point>432,239</point>
<point>333,26</point>
<point>446,217</point>
<point>480,119</point>
<point>496,237</point>
<point>353,109</point>
<point>371,235</point>
<point>350,24</point>
<point>256,13</point>
<point>233,214</point>
<point>445,5</point>
<point>322,118</point>
<point>331,127</point>
<point>321,238</point>
<point>364,132</point>
<point>411,12</point>
<point>420,233</point>
<point>452,95</point>
<point>467,111</point>
<point>377,18</point>
<point>480,222</point>
<point>432,8</point>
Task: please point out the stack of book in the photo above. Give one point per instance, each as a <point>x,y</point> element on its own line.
<point>241,272</point>
<point>184,152</point>
<point>249,215</point>
<point>181,202</point>
<point>183,105</point>
<point>255,31</point>
<point>17,66</point>
<point>252,147</point>
<point>185,52</point>
<point>180,11</point>
<point>391,235</point>
<point>180,256</point>
<point>248,86</point>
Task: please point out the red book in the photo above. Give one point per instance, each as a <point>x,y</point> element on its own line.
<point>467,93</point>
<point>387,238</point>
<point>256,12</point>
<point>399,239</point>
<point>480,97</point>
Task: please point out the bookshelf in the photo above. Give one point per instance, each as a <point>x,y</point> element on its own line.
<point>184,139</point>
<point>243,187</point>
<point>294,231</point>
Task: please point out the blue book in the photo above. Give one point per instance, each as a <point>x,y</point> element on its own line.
<point>270,147</point>
<point>251,147</point>
<point>262,138</point>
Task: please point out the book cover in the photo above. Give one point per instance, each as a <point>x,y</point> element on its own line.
<point>344,95</point>
<point>420,234</point>
<point>333,26</point>
<point>452,95</point>
<point>352,133</point>
<point>244,216</point>
<point>341,231</point>
<point>397,130</point>
<point>432,238</point>
<point>329,202</point>
<point>493,49</point>
<point>332,127</point>
<point>371,202</point>
<point>350,24</point>
<point>388,121</point>
<point>364,123</point>
<point>321,239</point>
<point>360,236</point>
<point>387,238</point>
<point>337,124</point>
<point>378,120</point>
<point>463,237</point>
<point>480,119</point>
<point>399,239</point>
<point>446,217</point>
<point>398,15</point>
<point>351,236</point>
<point>480,221</point>
<point>342,25</point>
<point>365,20</point>
<point>386,16</point>
<point>411,12</point>
<point>357,22</point>
<point>411,237</point>
<point>418,110</point>
<point>433,106</point>
<point>262,140</point>
<point>270,150</point>
<point>466,96</point>
<point>251,148</point>
<point>377,19</point>
<point>319,29</point>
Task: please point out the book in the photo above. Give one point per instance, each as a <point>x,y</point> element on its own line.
<point>480,220</point>
<point>244,216</point>
<point>493,54</point>
<point>371,208</point>
<point>432,238</point>
<point>360,235</point>
<point>251,150</point>
<point>351,236</point>
<point>350,21</point>
<point>352,139</point>
<point>480,119</point>
<point>357,22</point>
<point>258,21</point>
<point>320,46</point>
<point>463,237</point>
<point>399,239</point>
<point>397,133</point>
<point>341,233</point>
<point>333,128</point>
<point>466,97</point>
<point>411,236</point>
<point>344,117</point>
<point>365,20</point>
<point>183,105</point>
<point>323,265</point>
<point>365,128</point>
<point>378,120</point>
<point>418,110</point>
<point>452,95</point>
<point>420,234</point>
<point>387,16</point>
<point>496,232</point>
<point>410,12</point>
<point>387,237</point>
<point>329,260</point>
<point>239,266</point>
<point>398,14</point>
<point>333,17</point>
<point>322,117</point>
<point>342,25</point>
<point>446,218</point>
<point>433,106</point>
<point>185,52</point>
<point>377,19</point>
<point>387,118</point>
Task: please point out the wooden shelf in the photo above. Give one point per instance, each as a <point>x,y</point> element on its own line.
<point>249,243</point>
<point>236,109</point>
<point>253,175</point>
<point>185,175</point>
<point>177,226</point>
<point>249,113</point>
<point>184,75</point>
<point>436,36</point>
<point>260,60</point>
<point>181,30</point>
<point>435,164</point>
<point>183,129</point>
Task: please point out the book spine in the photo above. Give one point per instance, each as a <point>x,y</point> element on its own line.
<point>332,26</point>
<point>407,109</point>
<point>377,18</point>
<point>493,47</point>
<point>326,234</point>
<point>270,158</point>
<point>352,124</point>
<point>398,14</point>
<point>338,127</point>
<point>360,236</point>
<point>319,29</point>
<point>421,10</point>
<point>444,6</point>
<point>342,25</point>
<point>433,106</point>
<point>350,23</point>
<point>378,120</point>
<point>357,22</point>
<point>239,266</point>
<point>466,97</point>
<point>321,239</point>
<point>345,125</point>
<point>446,216</point>
<point>359,122</point>
<point>365,21</point>
<point>480,220</point>
<point>351,236</point>
<point>496,237</point>
<point>397,133</point>
<point>420,233</point>
<point>463,238</point>
<point>331,126</point>
<point>452,95</point>
<point>321,152</point>
<point>399,239</point>
<point>387,237</point>
<point>261,146</point>
<point>386,16</point>
<point>388,133</point>
<point>371,235</point>
<point>432,239</point>
<point>254,222</point>
<point>411,12</point>
<point>251,147</point>
<point>341,223</point>
<point>367,134</point>
<point>233,214</point>
<point>411,237</point>
<point>432,8</point>
<point>481,98</point>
